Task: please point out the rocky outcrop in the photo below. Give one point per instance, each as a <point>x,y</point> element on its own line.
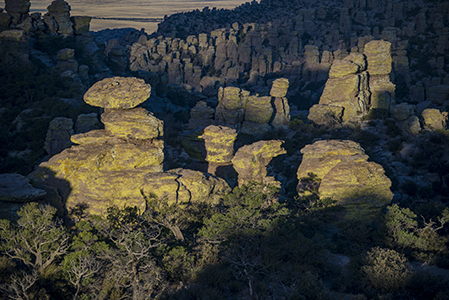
<point>181,187</point>
<point>58,18</point>
<point>108,166</point>
<point>341,172</point>
<point>251,161</point>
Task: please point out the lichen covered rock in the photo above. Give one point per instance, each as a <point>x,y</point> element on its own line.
<point>181,186</point>
<point>434,119</point>
<point>378,55</point>
<point>250,161</point>
<point>219,142</point>
<point>342,173</point>
<point>132,124</point>
<point>118,93</point>
<point>279,88</point>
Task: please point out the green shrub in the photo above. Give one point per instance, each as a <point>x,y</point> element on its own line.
<point>386,270</point>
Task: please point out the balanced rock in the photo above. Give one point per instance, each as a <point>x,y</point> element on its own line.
<point>118,93</point>
<point>17,6</point>
<point>181,186</point>
<point>434,119</point>
<point>251,161</point>
<point>219,144</point>
<point>132,124</point>
<point>342,172</point>
<point>17,188</point>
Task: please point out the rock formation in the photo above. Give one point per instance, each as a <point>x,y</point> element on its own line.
<point>251,161</point>
<point>58,135</point>
<point>108,166</point>
<point>434,119</point>
<point>219,144</point>
<point>342,173</point>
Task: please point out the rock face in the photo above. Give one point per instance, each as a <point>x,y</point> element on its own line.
<point>58,135</point>
<point>118,93</point>
<point>342,173</point>
<point>17,188</point>
<point>181,186</point>
<point>251,161</point>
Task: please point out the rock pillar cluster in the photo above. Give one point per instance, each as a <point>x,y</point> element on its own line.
<point>357,83</point>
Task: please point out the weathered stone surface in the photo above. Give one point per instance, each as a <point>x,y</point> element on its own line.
<point>434,119</point>
<point>17,188</point>
<point>181,186</point>
<point>118,93</point>
<point>58,18</point>
<point>81,24</point>
<point>65,54</point>
<point>100,175</point>
<point>86,122</point>
<point>343,173</point>
<point>282,113</point>
<point>17,6</point>
<point>250,161</point>
<point>342,68</point>
<point>201,115</point>
<point>403,111</point>
<point>279,88</point>
<point>382,92</point>
<point>258,109</point>
<point>438,94</point>
<point>219,142</point>
<point>58,135</point>
<point>327,115</point>
<point>134,123</point>
<point>98,136</point>
<point>349,92</point>
<point>379,57</point>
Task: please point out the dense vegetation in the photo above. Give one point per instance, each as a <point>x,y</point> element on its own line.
<point>250,246</point>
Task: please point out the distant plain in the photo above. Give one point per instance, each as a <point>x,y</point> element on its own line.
<point>132,9</point>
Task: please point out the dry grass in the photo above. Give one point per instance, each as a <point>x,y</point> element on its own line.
<point>132,9</point>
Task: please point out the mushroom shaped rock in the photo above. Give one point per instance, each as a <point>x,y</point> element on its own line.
<point>219,142</point>
<point>251,161</point>
<point>182,186</point>
<point>118,93</point>
<point>132,124</point>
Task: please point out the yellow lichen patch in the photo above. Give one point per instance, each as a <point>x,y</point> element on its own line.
<point>279,88</point>
<point>379,57</point>
<point>219,143</point>
<point>98,136</point>
<point>231,98</point>
<point>342,68</point>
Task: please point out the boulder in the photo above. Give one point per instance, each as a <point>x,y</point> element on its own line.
<point>403,111</point>
<point>438,94</point>
<point>327,115</point>
<point>258,109</point>
<point>17,188</point>
<point>341,170</point>
<point>133,124</point>
<point>342,68</point>
<point>181,186</point>
<point>58,135</point>
<point>81,24</point>
<point>118,93</point>
<point>251,161</point>
<point>65,54</point>
<point>434,119</point>
<point>86,122</point>
<point>98,136</point>
<point>17,6</point>
<point>219,142</point>
<point>282,113</point>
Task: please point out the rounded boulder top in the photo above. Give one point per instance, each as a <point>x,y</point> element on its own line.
<point>118,93</point>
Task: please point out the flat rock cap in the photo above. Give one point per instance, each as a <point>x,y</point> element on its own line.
<point>118,93</point>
